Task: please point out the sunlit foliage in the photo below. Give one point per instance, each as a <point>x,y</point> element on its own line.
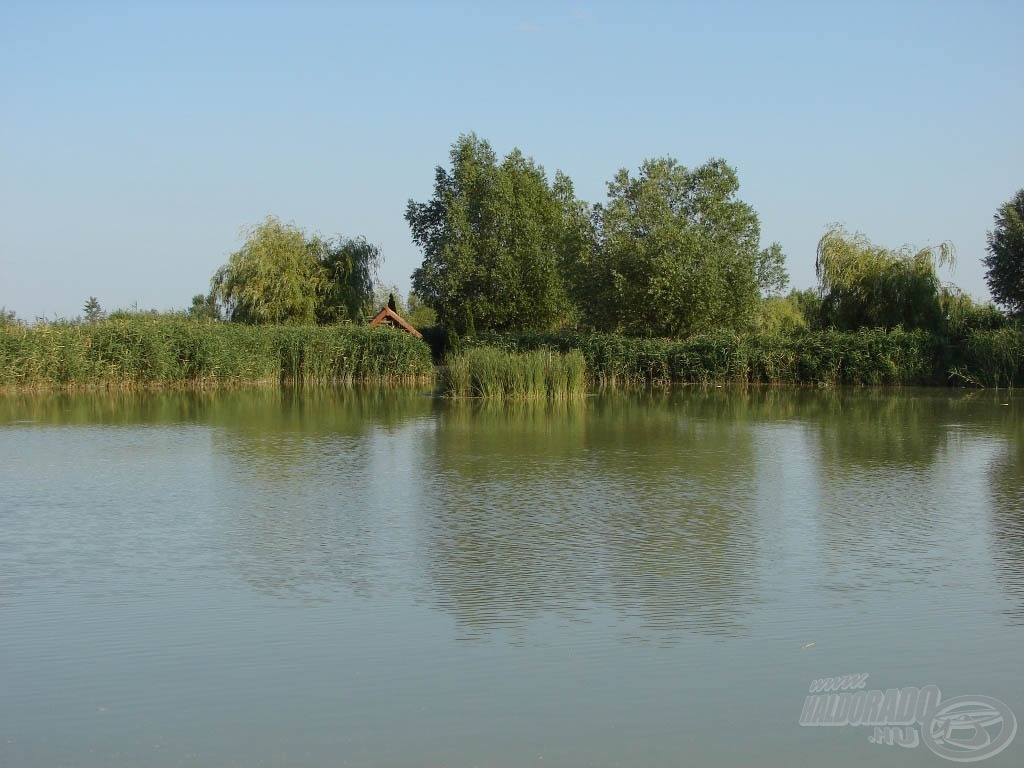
<point>866,286</point>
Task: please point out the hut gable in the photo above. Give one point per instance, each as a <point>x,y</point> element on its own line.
<point>388,316</point>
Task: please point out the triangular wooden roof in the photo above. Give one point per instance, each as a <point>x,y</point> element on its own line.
<point>388,316</point>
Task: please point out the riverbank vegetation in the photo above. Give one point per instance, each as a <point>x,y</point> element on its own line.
<point>518,375</point>
<point>524,290</point>
<point>160,350</point>
<point>144,350</point>
<point>821,358</point>
<point>667,281</point>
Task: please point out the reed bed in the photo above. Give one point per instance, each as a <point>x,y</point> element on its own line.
<point>146,351</point>
<point>165,351</point>
<point>992,358</point>
<point>826,358</point>
<point>495,373</point>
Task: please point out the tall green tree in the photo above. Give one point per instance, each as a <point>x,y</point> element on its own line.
<point>772,275</point>
<point>865,285</point>
<point>1005,260</point>
<point>677,253</point>
<point>492,238</point>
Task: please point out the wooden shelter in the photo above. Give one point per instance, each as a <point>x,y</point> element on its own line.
<point>388,316</point>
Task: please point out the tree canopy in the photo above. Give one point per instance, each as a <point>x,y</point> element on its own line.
<point>493,237</point>
<point>282,275</point>
<point>678,253</point>
<point>349,267</point>
<point>672,252</point>
<point>204,307</point>
<point>272,278</point>
<point>1005,260</point>
<point>865,285</point>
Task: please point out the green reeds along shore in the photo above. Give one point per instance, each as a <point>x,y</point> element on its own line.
<point>992,358</point>
<point>496,373</point>
<point>155,351</point>
<point>147,351</point>
<point>868,357</point>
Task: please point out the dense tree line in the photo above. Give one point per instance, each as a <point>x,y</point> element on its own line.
<point>671,252</point>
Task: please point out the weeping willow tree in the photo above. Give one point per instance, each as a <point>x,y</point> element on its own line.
<point>281,275</point>
<point>273,278</point>
<point>866,286</point>
<point>350,268</point>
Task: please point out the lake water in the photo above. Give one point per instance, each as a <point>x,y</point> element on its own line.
<point>346,577</point>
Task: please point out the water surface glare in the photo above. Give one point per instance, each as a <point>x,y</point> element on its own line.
<point>365,577</point>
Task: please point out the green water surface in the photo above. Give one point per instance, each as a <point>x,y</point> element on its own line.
<point>363,577</point>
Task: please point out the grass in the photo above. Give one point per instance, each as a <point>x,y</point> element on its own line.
<point>154,351</point>
<point>495,373</point>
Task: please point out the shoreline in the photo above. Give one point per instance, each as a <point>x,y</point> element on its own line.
<point>175,353</point>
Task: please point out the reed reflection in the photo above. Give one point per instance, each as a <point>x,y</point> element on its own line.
<point>315,484</point>
<point>634,505</point>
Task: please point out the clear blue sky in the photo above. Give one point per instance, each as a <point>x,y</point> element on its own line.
<point>139,137</point>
